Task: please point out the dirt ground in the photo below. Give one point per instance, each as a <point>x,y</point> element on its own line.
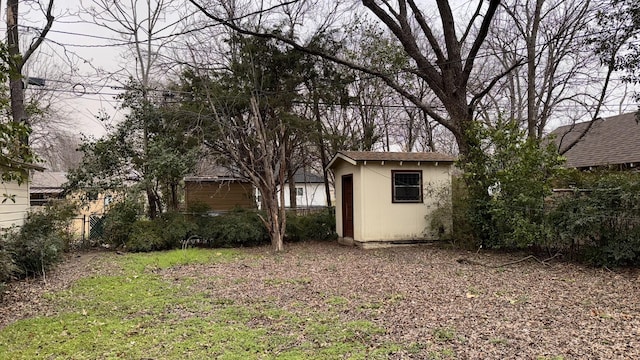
<point>443,303</point>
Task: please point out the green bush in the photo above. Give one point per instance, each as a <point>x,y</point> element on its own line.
<point>600,219</point>
<point>7,266</point>
<point>145,236</point>
<point>163,233</point>
<point>507,181</point>
<point>314,226</point>
<point>235,228</point>
<point>174,228</point>
<point>119,220</point>
<point>39,243</point>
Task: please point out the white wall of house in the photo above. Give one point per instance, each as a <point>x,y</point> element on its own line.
<point>14,205</point>
<point>376,217</point>
<point>308,195</point>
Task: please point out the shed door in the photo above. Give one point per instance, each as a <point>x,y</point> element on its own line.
<point>347,206</point>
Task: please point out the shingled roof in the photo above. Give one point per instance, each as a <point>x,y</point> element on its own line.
<point>612,141</point>
<point>47,182</point>
<point>355,156</point>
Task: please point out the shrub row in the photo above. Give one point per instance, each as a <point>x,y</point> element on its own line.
<point>504,200</point>
<point>598,219</point>
<point>236,228</point>
<point>595,219</point>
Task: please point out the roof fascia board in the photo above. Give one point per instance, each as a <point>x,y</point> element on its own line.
<point>343,157</point>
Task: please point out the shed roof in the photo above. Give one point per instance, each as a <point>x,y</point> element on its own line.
<point>609,141</point>
<point>49,182</point>
<point>354,157</point>
<point>48,179</point>
<point>213,178</point>
<point>301,177</point>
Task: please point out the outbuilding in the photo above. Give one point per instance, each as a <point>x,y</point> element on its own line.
<point>388,198</point>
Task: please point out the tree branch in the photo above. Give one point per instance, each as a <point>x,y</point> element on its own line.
<point>334,58</point>
<point>493,82</point>
<point>34,46</point>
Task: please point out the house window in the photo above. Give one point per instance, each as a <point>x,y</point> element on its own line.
<point>406,186</point>
<point>299,191</point>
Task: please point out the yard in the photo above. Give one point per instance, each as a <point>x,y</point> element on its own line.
<point>321,300</point>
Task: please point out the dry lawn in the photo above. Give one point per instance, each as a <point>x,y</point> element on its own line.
<point>425,298</point>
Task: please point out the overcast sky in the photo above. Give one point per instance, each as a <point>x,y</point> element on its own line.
<point>83,66</point>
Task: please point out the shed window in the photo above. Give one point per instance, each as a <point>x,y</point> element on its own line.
<point>407,186</point>
<point>299,191</point>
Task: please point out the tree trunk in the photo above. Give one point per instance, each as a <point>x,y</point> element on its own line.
<point>293,192</point>
<point>16,87</point>
<point>152,201</point>
<point>532,113</point>
<point>174,197</point>
<point>321,147</point>
<point>17,60</point>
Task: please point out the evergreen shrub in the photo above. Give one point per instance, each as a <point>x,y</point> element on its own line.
<point>39,243</point>
<point>119,220</point>
<point>319,225</point>
<point>599,220</point>
<point>235,228</point>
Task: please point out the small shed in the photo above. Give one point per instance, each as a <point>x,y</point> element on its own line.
<point>388,198</point>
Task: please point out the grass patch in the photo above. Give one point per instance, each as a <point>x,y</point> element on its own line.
<point>138,314</point>
<point>444,334</point>
<point>136,262</point>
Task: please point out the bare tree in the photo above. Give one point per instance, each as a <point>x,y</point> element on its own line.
<point>560,72</point>
<point>146,25</point>
<point>61,151</point>
<point>445,64</point>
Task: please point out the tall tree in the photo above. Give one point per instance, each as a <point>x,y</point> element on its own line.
<point>617,41</point>
<point>561,73</point>
<point>615,44</point>
<point>445,63</point>
<point>17,59</point>
<point>147,25</point>
<point>247,118</point>
<point>123,156</point>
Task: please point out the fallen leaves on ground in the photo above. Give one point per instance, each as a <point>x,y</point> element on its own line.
<point>426,300</point>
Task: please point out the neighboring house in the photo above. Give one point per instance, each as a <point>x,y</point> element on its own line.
<point>310,191</point>
<point>612,143</point>
<point>386,198</point>
<point>49,185</point>
<point>14,203</point>
<point>45,186</point>
<point>218,193</point>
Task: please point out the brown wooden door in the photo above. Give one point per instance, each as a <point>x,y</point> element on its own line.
<point>347,206</point>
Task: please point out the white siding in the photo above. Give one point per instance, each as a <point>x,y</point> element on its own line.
<point>13,213</point>
<point>313,194</point>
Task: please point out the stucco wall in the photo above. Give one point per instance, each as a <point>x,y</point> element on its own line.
<point>13,213</point>
<point>376,217</point>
